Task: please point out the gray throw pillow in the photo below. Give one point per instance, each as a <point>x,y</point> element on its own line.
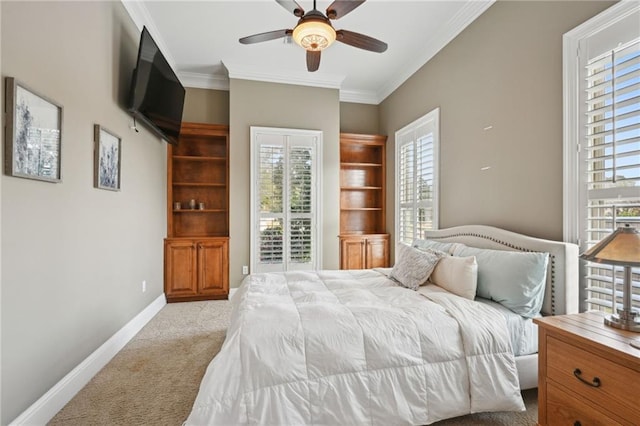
<point>413,267</point>
<point>420,243</point>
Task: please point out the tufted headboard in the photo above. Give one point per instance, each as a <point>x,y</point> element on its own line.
<point>561,292</point>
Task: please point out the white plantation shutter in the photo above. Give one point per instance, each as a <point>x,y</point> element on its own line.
<point>417,178</point>
<point>406,205</point>
<point>270,178</point>
<point>601,69</point>
<point>285,210</point>
<point>611,164</point>
<point>300,205</point>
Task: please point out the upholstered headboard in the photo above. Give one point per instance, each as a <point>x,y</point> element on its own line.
<point>561,292</point>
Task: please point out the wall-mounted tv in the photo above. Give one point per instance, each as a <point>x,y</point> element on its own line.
<point>157,96</point>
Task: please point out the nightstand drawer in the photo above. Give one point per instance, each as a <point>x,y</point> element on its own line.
<point>564,409</point>
<point>597,379</point>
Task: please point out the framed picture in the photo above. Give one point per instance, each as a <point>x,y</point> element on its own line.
<point>33,134</point>
<point>107,147</point>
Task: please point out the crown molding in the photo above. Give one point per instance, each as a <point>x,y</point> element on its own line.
<point>447,32</point>
<point>203,81</point>
<point>324,80</point>
<point>141,17</point>
<point>359,97</point>
<point>215,82</point>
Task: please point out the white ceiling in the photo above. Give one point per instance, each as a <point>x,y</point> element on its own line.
<point>200,41</point>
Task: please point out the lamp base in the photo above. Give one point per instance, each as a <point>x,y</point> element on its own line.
<point>624,320</point>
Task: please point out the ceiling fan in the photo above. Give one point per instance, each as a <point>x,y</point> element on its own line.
<point>315,33</point>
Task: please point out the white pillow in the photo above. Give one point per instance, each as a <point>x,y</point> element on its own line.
<point>413,267</point>
<point>458,275</point>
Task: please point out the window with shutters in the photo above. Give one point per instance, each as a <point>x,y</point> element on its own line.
<point>417,178</point>
<point>284,193</point>
<point>602,179</point>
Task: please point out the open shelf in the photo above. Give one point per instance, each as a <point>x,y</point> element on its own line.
<point>199,171</point>
<point>194,158</point>
<point>218,185</point>
<point>360,165</point>
<point>200,223</point>
<point>360,188</point>
<point>362,183</point>
<point>199,211</point>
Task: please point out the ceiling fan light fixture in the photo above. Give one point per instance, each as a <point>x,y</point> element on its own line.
<point>314,35</point>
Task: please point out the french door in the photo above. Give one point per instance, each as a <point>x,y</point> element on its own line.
<point>284,197</point>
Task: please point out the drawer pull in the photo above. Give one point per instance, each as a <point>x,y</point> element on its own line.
<point>577,423</point>
<point>595,382</point>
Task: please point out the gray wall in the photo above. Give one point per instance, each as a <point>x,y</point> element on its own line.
<point>254,103</point>
<point>212,106</point>
<point>74,257</point>
<point>359,118</point>
<point>505,71</point>
<point>206,106</point>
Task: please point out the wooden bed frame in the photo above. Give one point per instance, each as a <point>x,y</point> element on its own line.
<point>561,291</point>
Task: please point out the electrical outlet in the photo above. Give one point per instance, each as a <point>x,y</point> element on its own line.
<point>144,286</point>
<point>245,270</point>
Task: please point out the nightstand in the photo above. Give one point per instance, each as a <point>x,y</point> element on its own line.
<point>588,373</point>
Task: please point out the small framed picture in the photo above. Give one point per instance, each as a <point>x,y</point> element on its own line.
<point>33,134</point>
<point>107,147</point>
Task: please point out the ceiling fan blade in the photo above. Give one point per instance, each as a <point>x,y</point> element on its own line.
<point>339,8</point>
<point>313,60</point>
<point>361,41</point>
<point>271,35</point>
<point>292,7</point>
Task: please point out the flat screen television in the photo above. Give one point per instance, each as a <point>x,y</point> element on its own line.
<point>157,96</point>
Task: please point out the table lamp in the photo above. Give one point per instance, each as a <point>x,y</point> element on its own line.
<point>621,248</point>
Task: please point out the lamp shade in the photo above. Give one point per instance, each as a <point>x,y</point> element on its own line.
<point>622,248</point>
<point>314,35</point>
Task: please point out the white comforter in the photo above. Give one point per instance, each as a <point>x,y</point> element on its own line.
<point>351,347</point>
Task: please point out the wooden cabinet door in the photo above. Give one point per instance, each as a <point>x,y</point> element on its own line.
<point>213,265</point>
<point>377,252</point>
<point>352,253</point>
<point>180,273</point>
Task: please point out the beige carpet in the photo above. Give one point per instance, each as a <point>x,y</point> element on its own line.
<point>155,378</point>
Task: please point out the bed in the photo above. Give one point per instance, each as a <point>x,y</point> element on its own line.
<point>354,347</point>
<point>561,289</point>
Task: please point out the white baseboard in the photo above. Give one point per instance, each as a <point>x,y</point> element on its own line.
<point>43,410</point>
<point>232,291</point>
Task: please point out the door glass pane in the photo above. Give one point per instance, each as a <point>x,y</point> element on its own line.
<point>300,184</point>
<point>271,241</point>
<point>271,178</point>
<point>300,240</point>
